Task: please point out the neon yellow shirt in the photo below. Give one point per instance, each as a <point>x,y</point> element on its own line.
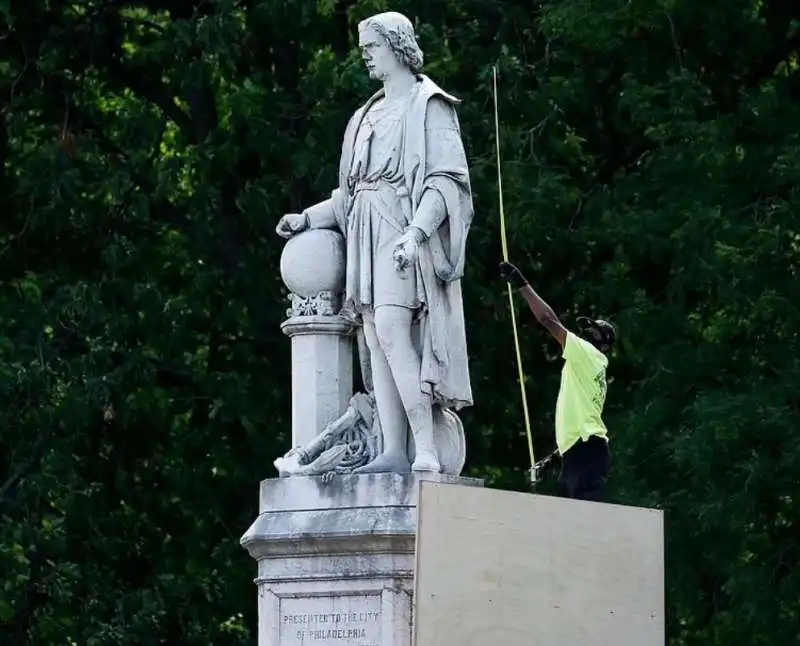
<point>579,407</point>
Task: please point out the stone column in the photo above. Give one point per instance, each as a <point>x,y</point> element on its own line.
<point>322,372</point>
<point>336,558</point>
<point>312,268</point>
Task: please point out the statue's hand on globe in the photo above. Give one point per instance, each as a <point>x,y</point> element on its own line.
<point>407,249</point>
<point>291,224</point>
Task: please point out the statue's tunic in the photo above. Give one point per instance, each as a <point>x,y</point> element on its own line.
<point>402,164</point>
<point>376,218</point>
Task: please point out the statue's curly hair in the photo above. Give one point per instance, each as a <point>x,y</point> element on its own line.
<point>402,42</point>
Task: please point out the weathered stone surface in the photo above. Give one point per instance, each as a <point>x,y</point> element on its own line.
<point>336,558</point>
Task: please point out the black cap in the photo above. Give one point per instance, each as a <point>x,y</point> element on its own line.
<point>600,333</point>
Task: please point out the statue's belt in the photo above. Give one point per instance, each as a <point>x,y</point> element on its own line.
<point>400,191</point>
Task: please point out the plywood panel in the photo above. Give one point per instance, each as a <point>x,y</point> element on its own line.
<point>501,568</point>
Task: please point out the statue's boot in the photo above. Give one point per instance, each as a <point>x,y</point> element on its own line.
<point>425,458</point>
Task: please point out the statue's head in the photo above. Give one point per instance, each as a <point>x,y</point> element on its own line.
<point>388,44</point>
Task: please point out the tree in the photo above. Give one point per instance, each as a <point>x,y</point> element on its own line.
<point>649,155</point>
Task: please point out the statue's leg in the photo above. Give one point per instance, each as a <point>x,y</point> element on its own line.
<point>391,412</point>
<point>393,325</point>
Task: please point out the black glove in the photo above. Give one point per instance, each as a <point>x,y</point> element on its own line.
<point>513,275</point>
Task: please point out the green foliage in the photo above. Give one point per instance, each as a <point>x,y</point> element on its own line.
<point>650,156</point>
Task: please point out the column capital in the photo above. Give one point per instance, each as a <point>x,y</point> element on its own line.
<point>327,325</point>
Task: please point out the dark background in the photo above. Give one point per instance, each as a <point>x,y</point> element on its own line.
<point>650,159</point>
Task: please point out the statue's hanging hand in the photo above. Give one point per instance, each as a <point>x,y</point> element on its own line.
<point>407,249</point>
<point>291,223</point>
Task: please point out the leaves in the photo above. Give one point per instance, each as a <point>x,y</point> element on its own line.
<point>649,158</point>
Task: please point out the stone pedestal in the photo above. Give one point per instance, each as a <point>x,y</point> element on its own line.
<point>322,372</point>
<point>336,559</point>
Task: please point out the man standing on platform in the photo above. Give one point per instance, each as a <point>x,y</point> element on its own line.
<point>581,435</point>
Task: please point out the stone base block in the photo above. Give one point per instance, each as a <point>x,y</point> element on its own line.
<point>336,559</point>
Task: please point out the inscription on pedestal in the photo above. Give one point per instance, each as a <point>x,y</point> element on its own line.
<point>353,620</point>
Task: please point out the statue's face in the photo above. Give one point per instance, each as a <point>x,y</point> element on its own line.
<point>378,56</point>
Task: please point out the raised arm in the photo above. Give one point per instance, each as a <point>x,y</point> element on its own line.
<point>541,310</point>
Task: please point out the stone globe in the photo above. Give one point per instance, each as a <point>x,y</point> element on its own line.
<point>313,261</point>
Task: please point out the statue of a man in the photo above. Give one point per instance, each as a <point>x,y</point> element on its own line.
<point>404,206</point>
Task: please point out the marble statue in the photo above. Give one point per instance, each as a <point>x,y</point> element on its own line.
<point>403,205</point>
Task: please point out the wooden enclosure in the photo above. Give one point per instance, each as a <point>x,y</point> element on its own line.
<point>500,568</point>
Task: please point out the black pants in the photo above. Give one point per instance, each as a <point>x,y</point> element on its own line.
<point>584,469</point>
